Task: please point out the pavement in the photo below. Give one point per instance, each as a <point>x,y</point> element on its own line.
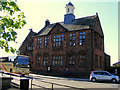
<point>78,79</point>
<point>54,77</point>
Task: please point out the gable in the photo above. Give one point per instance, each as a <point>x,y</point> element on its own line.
<point>97,27</point>
<point>28,41</point>
<point>57,29</point>
<point>29,38</point>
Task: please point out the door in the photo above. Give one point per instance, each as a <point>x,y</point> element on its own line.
<point>106,76</point>
<point>99,75</point>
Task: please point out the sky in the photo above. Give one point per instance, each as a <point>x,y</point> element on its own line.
<point>37,11</point>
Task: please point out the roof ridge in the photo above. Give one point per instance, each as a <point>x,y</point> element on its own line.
<point>86,17</point>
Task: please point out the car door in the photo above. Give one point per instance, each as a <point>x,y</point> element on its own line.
<point>106,76</point>
<point>99,75</point>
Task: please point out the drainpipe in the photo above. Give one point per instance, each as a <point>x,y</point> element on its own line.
<point>92,47</point>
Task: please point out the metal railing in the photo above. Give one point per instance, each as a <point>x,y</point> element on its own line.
<point>13,83</point>
<point>33,84</point>
<point>52,85</point>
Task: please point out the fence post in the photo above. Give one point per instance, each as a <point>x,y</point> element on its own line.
<point>31,83</point>
<point>52,86</point>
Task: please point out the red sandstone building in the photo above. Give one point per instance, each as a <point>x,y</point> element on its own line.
<point>75,45</point>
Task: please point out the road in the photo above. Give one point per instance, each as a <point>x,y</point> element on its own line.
<point>58,83</point>
<point>73,82</point>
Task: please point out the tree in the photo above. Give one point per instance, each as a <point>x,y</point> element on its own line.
<point>11,19</point>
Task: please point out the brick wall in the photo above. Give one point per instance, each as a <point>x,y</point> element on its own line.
<point>66,51</point>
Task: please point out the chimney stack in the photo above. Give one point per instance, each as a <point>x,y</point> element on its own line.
<point>47,22</point>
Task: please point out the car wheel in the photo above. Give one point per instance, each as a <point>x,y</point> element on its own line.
<point>93,80</point>
<point>113,80</point>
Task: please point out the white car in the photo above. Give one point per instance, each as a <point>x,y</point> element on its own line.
<point>103,76</point>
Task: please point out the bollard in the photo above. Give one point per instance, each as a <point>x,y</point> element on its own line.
<point>24,84</point>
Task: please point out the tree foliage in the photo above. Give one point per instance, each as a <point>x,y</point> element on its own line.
<point>11,19</point>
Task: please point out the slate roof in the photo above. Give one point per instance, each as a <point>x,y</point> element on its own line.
<point>77,24</point>
<point>85,20</point>
<point>45,30</point>
<point>74,27</point>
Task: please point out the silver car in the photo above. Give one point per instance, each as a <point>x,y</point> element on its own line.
<point>103,76</point>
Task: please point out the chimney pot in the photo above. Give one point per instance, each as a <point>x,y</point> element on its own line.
<point>47,22</point>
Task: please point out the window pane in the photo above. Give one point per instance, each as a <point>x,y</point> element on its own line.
<point>57,36</point>
<point>61,62</point>
<point>39,58</point>
<point>83,56</point>
<point>56,57</point>
<point>80,42</point>
<point>44,63</point>
<point>70,34</point>
<point>59,39</point>
<point>80,37</point>
<point>73,43</point>
<point>73,34</point>
<point>83,33</point>
<point>61,57</point>
<point>73,38</point>
<point>53,62</point>
<point>83,37</point>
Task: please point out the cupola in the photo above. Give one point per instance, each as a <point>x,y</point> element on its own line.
<point>69,16</point>
<point>70,8</point>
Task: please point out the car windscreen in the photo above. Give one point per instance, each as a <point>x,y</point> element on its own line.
<point>22,61</point>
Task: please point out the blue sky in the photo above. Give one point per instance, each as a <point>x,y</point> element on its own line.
<point>37,11</point>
